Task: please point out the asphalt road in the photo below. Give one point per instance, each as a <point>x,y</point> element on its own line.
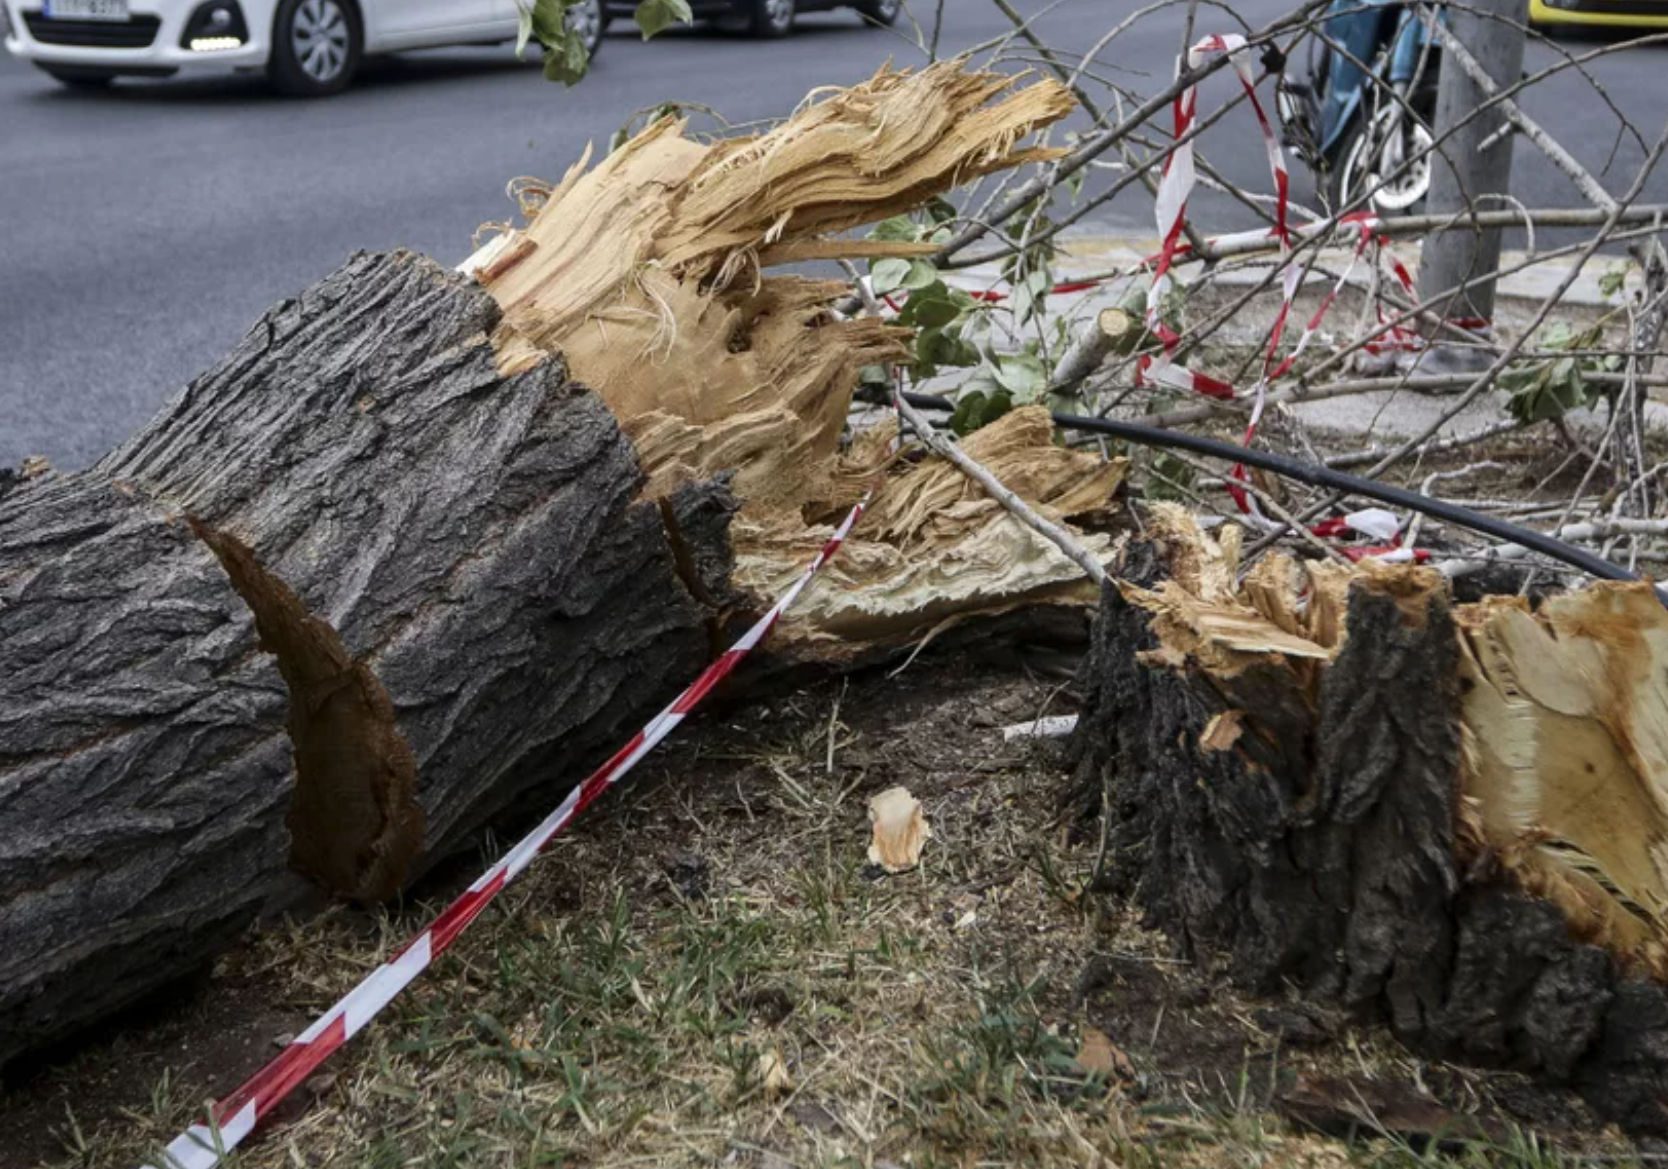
<point>146,228</point>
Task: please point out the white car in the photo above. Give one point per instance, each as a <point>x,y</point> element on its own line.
<point>307,47</point>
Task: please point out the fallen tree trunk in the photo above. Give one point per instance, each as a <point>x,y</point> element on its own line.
<point>386,571</point>
<point>1446,818</point>
<point>479,605</point>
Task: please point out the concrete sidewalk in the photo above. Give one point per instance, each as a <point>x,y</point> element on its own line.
<point>1387,415</point>
<point>1093,251</point>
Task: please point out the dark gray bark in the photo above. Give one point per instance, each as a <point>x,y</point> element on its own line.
<point>472,540</point>
<point>1319,853</point>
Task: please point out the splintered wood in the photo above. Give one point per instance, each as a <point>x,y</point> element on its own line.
<point>647,273</point>
<point>1563,713</point>
<point>1566,753</point>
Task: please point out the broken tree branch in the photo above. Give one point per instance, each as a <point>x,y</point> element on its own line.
<point>1017,507</point>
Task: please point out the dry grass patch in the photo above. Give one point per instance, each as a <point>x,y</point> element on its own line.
<point>710,972</point>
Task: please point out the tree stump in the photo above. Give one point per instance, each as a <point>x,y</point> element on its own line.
<point>1307,819</point>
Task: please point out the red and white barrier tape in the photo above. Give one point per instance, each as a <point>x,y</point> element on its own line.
<point>1174,189</point>
<point>234,1118</point>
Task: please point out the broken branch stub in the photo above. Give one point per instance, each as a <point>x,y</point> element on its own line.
<point>1447,817</point>
<point>354,822</point>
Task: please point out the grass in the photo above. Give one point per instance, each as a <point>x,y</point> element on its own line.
<point>708,972</point>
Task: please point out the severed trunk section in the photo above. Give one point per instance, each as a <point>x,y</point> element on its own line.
<point>464,595</point>
<point>1448,818</point>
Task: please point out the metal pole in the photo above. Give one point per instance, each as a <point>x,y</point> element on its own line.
<point>1463,174</point>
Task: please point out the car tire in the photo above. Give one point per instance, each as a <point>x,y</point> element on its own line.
<point>591,20</point>
<point>770,18</point>
<point>881,12</point>
<point>1363,148</point>
<point>79,77</point>
<point>316,47</point>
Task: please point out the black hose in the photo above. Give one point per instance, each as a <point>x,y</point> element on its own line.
<point>1321,476</point>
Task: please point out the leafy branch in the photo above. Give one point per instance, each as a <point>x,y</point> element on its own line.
<point>565,55</point>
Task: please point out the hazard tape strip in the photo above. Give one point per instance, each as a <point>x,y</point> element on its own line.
<point>1175,187</point>
<point>235,1117</point>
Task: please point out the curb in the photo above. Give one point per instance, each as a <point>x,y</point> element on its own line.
<point>1100,251</point>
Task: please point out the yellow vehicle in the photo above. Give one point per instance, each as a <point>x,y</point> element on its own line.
<point>1600,13</point>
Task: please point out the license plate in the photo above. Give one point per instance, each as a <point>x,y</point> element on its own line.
<point>85,9</point>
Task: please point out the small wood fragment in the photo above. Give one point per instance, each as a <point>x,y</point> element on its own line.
<point>901,830</point>
<point>1098,1055</point>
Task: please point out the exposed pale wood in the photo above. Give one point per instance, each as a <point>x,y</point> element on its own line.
<point>648,274</point>
<point>935,548</point>
<point>476,574</point>
<point>1566,756</point>
<point>969,465</point>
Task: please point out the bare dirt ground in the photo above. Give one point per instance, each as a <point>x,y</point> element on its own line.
<point>708,971</point>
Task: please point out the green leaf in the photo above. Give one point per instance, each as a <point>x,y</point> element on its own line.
<point>874,375</point>
<point>550,21</point>
<point>936,347</point>
<point>1029,294</point>
<point>967,409</point>
<point>1171,477</point>
<point>1022,375</point>
<point>940,210</point>
<point>934,306</point>
<point>888,275</point>
<point>546,21</point>
<point>1611,282</point>
<point>899,227</point>
<point>922,274</point>
<point>655,16</point>
<point>566,61</point>
<point>976,408</point>
<point>1566,377</point>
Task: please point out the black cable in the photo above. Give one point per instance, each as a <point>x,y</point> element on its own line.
<point>1317,475</point>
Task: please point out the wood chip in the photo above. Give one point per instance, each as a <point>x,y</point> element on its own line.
<point>1098,1055</point>
<point>900,830</point>
<point>1223,730</point>
<point>773,1073</point>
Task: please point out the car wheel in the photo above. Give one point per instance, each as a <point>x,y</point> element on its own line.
<point>316,46</point>
<point>79,78</point>
<point>1375,157</point>
<point>771,18</point>
<point>881,12</point>
<point>588,20</point>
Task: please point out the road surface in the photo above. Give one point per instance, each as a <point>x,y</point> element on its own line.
<point>146,228</point>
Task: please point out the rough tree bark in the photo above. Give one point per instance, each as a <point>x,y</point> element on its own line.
<point>467,597</point>
<point>1298,820</point>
